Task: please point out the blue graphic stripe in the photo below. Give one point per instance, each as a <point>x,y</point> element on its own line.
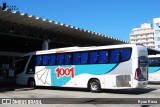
<point>153,69</point>
<point>95,69</point>
<point>113,68</point>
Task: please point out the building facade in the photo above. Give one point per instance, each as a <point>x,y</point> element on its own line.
<point>156,24</point>
<point>143,35</point>
<point>147,35</point>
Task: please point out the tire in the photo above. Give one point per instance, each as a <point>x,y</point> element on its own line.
<point>31,83</point>
<point>94,86</point>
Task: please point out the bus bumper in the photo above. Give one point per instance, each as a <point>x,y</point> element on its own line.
<point>142,84</point>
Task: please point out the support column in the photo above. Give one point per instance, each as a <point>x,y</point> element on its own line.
<point>45,44</point>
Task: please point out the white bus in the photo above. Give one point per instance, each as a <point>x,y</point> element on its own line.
<point>103,67</point>
<point>154,68</point>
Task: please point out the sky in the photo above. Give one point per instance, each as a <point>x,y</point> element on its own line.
<point>115,18</point>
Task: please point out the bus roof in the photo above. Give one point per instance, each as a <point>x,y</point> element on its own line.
<point>76,48</point>
<point>152,56</point>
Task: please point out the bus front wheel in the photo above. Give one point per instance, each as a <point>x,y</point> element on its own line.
<point>94,86</point>
<point>31,82</point>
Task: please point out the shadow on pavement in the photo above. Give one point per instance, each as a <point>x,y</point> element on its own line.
<point>116,91</point>
<point>154,83</point>
<point>130,91</point>
<point>63,88</point>
<point>5,88</point>
<point>11,87</point>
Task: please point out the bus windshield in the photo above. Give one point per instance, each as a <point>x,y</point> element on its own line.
<point>20,65</point>
<point>143,61</point>
<point>143,64</point>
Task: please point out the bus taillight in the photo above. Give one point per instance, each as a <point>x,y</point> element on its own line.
<point>137,74</point>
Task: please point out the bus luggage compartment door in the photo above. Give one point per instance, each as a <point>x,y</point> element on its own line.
<point>123,81</point>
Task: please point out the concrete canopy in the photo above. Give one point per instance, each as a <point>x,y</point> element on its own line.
<point>32,31</point>
<point>58,28</point>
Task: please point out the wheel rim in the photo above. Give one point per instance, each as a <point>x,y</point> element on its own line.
<point>94,86</point>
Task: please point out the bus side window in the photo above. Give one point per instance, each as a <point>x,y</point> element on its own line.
<point>68,58</point>
<point>51,59</point>
<point>60,59</point>
<point>155,61</point>
<point>152,62</point>
<point>93,57</point>
<point>103,57</point>
<point>125,54</point>
<point>76,58</point>
<point>38,60</point>
<point>84,57</point>
<point>158,61</point>
<point>45,60</point>
<point>115,56</point>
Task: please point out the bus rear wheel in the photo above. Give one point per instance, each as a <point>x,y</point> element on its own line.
<point>31,82</point>
<point>94,86</point>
